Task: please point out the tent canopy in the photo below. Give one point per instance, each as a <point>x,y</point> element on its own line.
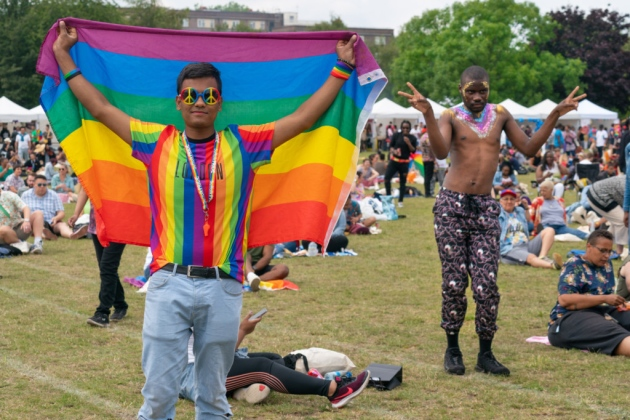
<point>10,111</point>
<point>587,110</point>
<point>518,111</point>
<point>543,109</point>
<point>386,108</point>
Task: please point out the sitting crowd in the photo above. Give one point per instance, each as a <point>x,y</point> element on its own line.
<point>32,192</point>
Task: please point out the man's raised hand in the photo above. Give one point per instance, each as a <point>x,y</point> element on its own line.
<point>416,100</point>
<point>570,103</point>
<point>66,37</point>
<point>345,49</point>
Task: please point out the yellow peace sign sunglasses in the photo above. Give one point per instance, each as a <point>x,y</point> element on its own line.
<point>210,95</point>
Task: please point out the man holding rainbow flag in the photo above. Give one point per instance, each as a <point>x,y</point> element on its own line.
<point>200,184</point>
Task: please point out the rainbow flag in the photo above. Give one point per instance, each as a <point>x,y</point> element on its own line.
<point>416,161</point>
<point>265,77</point>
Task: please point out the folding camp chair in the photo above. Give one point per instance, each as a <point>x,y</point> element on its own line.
<point>586,171</point>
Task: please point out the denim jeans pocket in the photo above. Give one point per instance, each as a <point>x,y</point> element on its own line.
<point>159,279</point>
<point>232,287</point>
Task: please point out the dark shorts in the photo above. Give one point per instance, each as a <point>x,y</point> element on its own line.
<point>263,270</point>
<point>595,329</point>
<point>519,253</point>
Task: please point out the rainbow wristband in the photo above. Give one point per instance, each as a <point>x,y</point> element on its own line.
<point>341,70</point>
<point>71,74</point>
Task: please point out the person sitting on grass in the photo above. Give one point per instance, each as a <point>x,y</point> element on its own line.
<point>516,248</point>
<point>18,222</point>
<point>550,212</point>
<point>14,182</point>
<point>251,376</point>
<point>62,182</point>
<point>586,315</point>
<point>551,170</point>
<point>368,175</point>
<point>40,198</point>
<point>259,267</point>
<point>355,221</point>
<point>504,178</point>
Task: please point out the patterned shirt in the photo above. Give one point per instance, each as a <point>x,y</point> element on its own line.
<point>10,207</point>
<point>13,181</point>
<point>515,233</point>
<point>177,226</point>
<point>49,203</point>
<point>580,276</point>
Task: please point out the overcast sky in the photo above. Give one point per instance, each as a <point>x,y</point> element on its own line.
<point>377,13</point>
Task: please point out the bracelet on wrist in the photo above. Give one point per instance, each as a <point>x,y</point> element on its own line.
<point>349,64</point>
<point>72,74</point>
<point>341,70</point>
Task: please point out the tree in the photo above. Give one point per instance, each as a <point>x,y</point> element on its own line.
<point>598,39</point>
<point>335,24</point>
<point>385,55</point>
<point>496,34</point>
<point>231,7</point>
<point>23,25</point>
<point>150,14</point>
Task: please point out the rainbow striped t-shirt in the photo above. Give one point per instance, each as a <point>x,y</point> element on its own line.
<point>177,234</point>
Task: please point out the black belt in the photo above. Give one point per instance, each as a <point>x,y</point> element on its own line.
<point>198,271</point>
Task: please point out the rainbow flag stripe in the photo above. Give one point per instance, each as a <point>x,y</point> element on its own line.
<point>416,161</point>
<point>266,76</point>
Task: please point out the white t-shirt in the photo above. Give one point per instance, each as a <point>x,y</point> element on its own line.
<point>24,140</point>
<point>600,137</point>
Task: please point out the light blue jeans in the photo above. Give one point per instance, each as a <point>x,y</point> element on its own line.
<point>174,304</point>
<point>562,229</point>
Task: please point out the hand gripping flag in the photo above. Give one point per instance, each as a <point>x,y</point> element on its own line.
<point>266,76</point>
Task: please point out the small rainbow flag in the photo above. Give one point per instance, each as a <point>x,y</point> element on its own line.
<point>266,76</point>
<point>418,164</point>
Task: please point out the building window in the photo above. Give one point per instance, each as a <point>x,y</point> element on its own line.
<point>209,23</point>
<point>201,23</point>
<point>185,23</point>
<point>380,40</point>
<point>253,24</point>
<point>235,23</point>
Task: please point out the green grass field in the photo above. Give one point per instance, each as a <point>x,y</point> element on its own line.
<point>382,306</point>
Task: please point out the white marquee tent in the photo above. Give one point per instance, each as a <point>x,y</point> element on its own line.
<point>10,111</point>
<point>586,113</point>
<point>387,109</point>
<point>518,111</point>
<point>39,115</point>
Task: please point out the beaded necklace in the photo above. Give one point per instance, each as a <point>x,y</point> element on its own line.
<point>193,168</point>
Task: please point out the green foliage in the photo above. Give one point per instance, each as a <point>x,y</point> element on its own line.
<point>231,7</point>
<point>495,34</point>
<point>23,26</point>
<point>335,24</point>
<point>385,55</point>
<point>600,39</point>
<point>150,14</point>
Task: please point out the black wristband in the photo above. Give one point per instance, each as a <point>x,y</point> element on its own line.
<point>73,75</point>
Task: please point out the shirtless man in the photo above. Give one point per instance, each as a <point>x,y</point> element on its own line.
<point>465,215</point>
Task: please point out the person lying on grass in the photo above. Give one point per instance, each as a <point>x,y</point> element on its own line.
<point>253,374</point>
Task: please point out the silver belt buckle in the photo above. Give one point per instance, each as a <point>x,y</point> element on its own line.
<point>188,272</point>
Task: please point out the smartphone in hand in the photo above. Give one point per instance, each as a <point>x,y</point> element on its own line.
<point>258,314</point>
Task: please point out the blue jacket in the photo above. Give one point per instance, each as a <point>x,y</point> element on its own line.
<point>503,222</point>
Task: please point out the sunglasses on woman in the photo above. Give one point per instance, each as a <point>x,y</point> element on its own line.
<point>210,95</point>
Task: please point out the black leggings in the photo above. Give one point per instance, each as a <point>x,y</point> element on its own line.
<point>402,168</point>
<point>269,369</point>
